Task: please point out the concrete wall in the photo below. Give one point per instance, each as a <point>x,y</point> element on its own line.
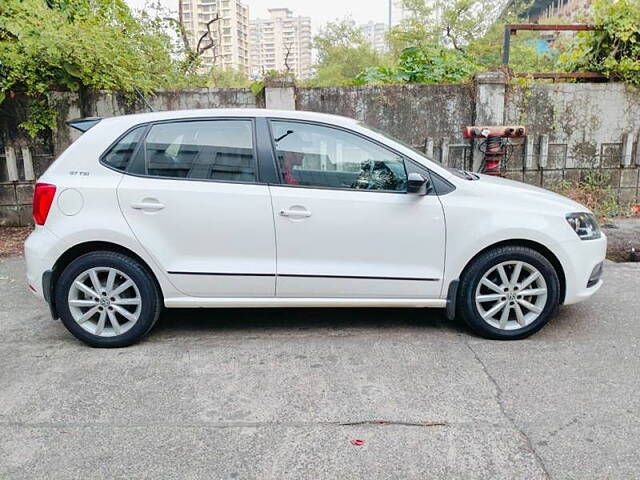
<point>428,117</point>
<point>15,203</point>
<point>577,127</point>
<point>412,113</point>
<point>107,104</point>
<point>573,127</point>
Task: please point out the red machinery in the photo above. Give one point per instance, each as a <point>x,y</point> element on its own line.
<point>495,147</point>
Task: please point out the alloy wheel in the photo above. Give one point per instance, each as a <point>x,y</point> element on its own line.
<point>511,295</point>
<point>104,301</point>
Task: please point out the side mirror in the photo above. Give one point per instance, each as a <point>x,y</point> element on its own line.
<point>417,184</point>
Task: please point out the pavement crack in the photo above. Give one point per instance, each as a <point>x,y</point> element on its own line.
<point>505,414</point>
<point>378,423</point>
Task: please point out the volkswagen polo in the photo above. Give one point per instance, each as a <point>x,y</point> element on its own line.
<point>260,208</point>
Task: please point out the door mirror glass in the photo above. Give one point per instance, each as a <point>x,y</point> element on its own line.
<point>416,183</point>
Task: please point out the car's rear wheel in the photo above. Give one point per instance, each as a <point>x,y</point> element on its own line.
<point>509,293</point>
<point>107,299</point>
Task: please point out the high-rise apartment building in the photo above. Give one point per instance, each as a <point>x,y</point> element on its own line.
<point>376,35</point>
<point>281,42</point>
<point>397,12</point>
<point>230,31</point>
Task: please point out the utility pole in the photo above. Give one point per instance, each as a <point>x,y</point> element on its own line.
<point>390,12</point>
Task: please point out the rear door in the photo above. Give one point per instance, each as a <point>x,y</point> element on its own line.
<point>193,199</point>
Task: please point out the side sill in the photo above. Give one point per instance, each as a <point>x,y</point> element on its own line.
<point>191,302</point>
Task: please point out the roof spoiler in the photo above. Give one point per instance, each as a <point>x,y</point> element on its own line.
<point>84,124</point>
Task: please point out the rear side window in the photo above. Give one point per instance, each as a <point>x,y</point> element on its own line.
<point>120,154</point>
<point>199,150</point>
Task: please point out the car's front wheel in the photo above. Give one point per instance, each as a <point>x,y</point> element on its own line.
<point>509,293</point>
<point>107,299</point>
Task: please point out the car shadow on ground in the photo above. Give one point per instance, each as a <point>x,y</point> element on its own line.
<point>202,321</point>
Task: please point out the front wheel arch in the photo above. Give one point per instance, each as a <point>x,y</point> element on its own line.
<point>538,247</point>
<point>534,309</point>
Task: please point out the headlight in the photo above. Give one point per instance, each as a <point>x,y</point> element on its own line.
<point>585,225</point>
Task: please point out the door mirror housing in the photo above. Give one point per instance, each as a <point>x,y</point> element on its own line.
<point>417,184</point>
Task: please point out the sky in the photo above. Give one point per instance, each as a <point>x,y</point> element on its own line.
<point>320,11</point>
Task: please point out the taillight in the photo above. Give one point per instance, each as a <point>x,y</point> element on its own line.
<point>42,200</point>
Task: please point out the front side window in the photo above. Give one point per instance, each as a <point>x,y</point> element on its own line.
<point>120,154</point>
<point>200,150</point>
<point>319,156</point>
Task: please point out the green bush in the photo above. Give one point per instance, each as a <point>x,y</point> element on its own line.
<point>594,192</point>
<point>432,64</point>
<point>73,44</point>
<point>614,50</point>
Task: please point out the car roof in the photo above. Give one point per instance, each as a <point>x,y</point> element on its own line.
<point>231,112</point>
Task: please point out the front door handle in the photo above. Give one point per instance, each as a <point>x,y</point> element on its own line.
<point>147,204</point>
<point>295,212</point>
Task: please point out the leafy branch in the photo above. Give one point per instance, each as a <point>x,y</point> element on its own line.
<point>614,49</point>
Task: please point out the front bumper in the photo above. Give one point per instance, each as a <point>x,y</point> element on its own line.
<point>582,263</point>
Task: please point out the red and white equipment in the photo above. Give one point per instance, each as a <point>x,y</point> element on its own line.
<point>496,146</point>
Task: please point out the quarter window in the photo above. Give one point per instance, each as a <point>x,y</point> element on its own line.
<point>319,156</point>
<point>120,154</point>
<point>200,150</point>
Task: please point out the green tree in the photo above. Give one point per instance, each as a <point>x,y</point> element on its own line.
<point>524,51</point>
<point>227,77</point>
<point>474,28</point>
<point>417,28</point>
<point>342,54</point>
<point>452,23</point>
<point>614,49</point>
<point>73,44</point>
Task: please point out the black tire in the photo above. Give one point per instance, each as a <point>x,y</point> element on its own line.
<point>150,305</point>
<point>466,302</point>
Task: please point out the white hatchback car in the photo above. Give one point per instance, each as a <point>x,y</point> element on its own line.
<point>260,208</point>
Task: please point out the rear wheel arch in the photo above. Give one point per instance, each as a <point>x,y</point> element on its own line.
<point>107,299</point>
<point>538,247</point>
<point>95,246</point>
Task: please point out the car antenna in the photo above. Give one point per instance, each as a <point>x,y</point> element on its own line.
<point>144,100</point>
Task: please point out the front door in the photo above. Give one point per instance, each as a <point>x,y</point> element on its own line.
<point>345,224</point>
<point>195,205</point>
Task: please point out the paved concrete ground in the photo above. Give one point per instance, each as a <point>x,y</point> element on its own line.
<point>281,393</point>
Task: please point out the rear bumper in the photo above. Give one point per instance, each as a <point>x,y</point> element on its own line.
<point>583,260</point>
<point>39,257</point>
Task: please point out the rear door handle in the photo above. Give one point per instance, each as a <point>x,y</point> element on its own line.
<point>295,213</point>
<point>147,205</point>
